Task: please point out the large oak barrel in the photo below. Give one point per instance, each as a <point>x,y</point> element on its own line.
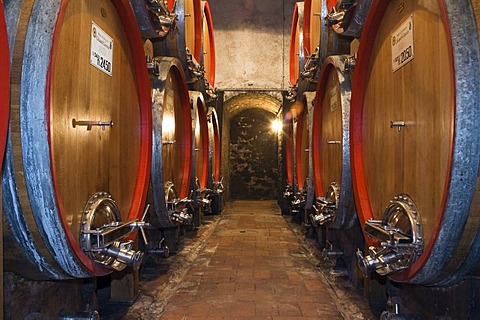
<point>207,55</point>
<point>172,139</point>
<point>415,137</point>
<point>297,51</point>
<point>288,122</point>
<point>200,139</point>
<point>303,109</point>
<point>214,147</point>
<point>332,177</point>
<point>79,148</point>
<point>303,154</point>
<point>186,36</point>
<point>215,181</point>
<point>315,29</point>
<point>4,83</point>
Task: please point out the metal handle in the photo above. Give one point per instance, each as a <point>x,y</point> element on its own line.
<point>169,142</point>
<point>334,142</point>
<point>398,124</point>
<point>89,124</point>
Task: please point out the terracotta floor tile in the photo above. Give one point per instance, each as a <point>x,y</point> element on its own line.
<point>250,266</point>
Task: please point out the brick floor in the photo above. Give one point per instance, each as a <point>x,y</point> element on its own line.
<point>251,266</point>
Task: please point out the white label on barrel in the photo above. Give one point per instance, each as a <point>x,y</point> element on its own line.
<point>101,49</point>
<point>402,44</point>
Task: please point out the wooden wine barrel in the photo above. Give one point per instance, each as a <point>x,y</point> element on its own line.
<point>315,30</point>
<point>200,129</point>
<point>331,138</point>
<point>187,34</point>
<point>4,83</point>
<point>317,34</point>
<point>80,125</point>
<point>297,51</point>
<point>289,147</point>
<point>415,115</point>
<point>214,147</point>
<point>207,54</point>
<point>303,109</point>
<point>172,137</point>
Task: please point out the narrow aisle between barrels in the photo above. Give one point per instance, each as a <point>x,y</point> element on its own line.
<point>252,265</point>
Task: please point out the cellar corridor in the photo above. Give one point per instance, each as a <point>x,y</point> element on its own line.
<point>248,263</point>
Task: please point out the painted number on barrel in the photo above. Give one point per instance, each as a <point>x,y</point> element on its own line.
<point>101,49</point>
<point>402,44</point>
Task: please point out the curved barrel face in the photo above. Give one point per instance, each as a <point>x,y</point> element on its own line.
<point>315,29</point>
<point>4,83</point>
<point>193,26</point>
<point>186,36</point>
<point>172,136</point>
<point>330,136</point>
<point>297,53</point>
<point>81,126</point>
<point>302,142</point>
<point>413,127</point>
<point>289,149</point>
<point>208,44</point>
<point>200,138</point>
<point>214,146</point>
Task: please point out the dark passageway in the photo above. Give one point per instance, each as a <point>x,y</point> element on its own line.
<point>253,156</point>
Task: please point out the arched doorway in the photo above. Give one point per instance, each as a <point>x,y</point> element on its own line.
<point>253,156</point>
<point>239,110</point>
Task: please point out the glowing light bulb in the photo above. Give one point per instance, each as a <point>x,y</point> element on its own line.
<point>277,125</point>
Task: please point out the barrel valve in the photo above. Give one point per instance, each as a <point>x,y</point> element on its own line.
<point>340,15</point>
<point>177,209</point>
<point>311,65</point>
<point>161,17</point>
<point>103,234</point>
<point>179,213</point>
<point>288,192</point>
<point>298,201</point>
<point>204,197</point>
<point>399,235</point>
<point>326,207</point>
<point>218,187</point>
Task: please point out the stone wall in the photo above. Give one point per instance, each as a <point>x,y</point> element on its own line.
<point>253,156</point>
<point>252,39</point>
